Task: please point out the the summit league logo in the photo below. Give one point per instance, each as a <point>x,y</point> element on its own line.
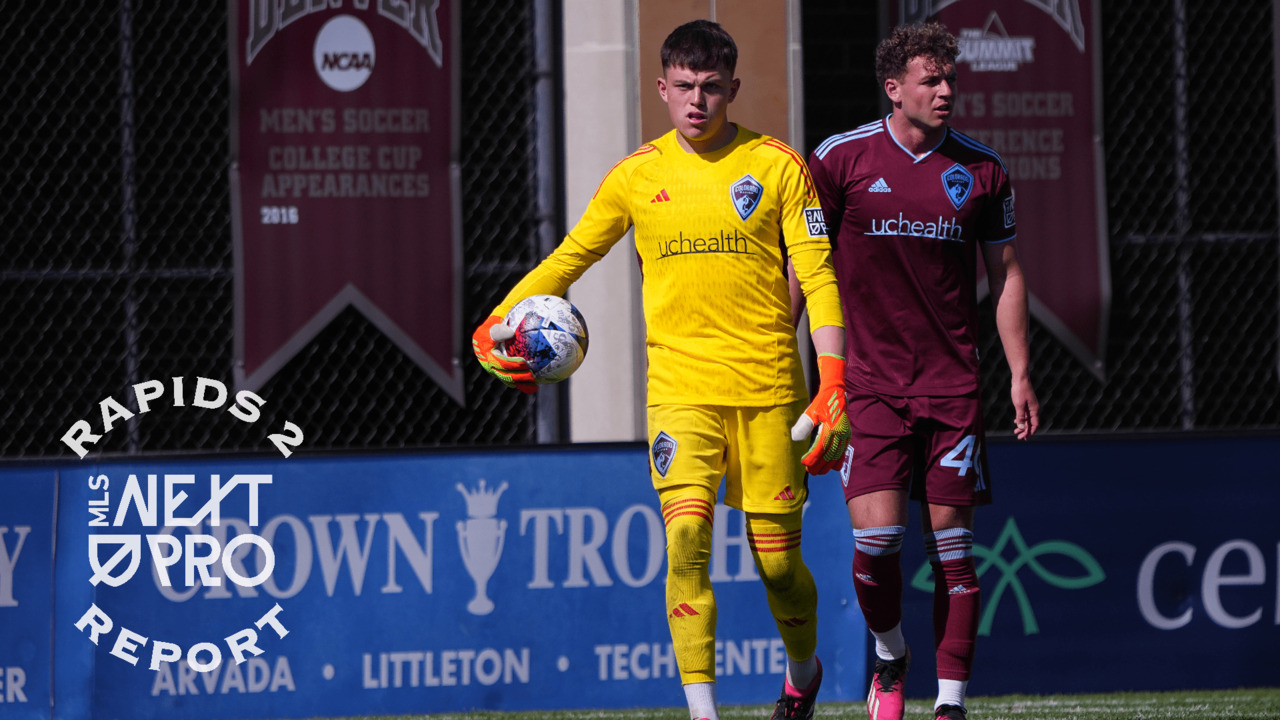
<point>958,182</point>
<point>746,194</point>
<point>992,50</point>
<point>663,452</point>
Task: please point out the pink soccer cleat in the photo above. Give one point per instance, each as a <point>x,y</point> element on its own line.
<point>885,700</point>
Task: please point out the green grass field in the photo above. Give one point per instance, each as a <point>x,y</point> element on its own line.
<point>1248,704</point>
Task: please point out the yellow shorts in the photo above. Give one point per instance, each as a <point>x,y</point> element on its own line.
<point>750,447</point>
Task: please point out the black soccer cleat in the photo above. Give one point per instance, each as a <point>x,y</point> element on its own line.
<point>797,707</point>
<point>950,712</point>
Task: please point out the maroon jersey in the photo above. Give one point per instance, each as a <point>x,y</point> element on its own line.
<point>905,232</point>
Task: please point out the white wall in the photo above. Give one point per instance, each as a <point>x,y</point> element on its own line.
<point>606,395</point>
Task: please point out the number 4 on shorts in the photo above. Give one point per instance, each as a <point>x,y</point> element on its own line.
<point>962,458</point>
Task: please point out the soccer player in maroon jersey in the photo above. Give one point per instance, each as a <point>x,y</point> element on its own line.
<point>908,202</point>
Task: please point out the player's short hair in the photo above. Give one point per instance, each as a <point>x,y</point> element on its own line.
<point>906,42</point>
<point>700,45</point>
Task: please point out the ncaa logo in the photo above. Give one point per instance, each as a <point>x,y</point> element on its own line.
<point>746,194</point>
<point>663,452</point>
<point>958,182</point>
<point>344,53</point>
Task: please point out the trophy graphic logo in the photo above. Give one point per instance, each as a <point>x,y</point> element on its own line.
<point>480,539</point>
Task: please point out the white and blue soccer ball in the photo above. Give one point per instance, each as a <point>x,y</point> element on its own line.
<point>550,334</point>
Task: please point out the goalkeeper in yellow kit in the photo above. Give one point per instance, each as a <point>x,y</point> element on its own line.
<point>721,215</point>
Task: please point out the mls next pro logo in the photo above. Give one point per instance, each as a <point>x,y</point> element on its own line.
<point>146,520</point>
<point>1024,556</point>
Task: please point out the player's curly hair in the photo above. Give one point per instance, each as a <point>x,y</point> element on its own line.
<point>905,42</point>
<point>701,45</point>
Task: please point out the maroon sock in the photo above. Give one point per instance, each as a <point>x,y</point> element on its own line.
<point>957,604</point>
<point>877,579</point>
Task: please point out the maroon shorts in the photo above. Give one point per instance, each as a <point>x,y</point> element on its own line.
<point>934,447</point>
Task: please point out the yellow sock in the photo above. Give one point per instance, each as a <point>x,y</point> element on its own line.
<point>788,584</point>
<point>691,604</point>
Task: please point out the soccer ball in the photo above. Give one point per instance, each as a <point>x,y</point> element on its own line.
<point>551,335</point>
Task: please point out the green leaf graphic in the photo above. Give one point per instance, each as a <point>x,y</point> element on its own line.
<point>1025,556</point>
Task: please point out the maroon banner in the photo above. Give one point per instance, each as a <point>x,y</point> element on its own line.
<point>1029,87</point>
<point>343,178</point>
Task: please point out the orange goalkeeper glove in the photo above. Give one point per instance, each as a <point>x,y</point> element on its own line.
<point>512,371</point>
<point>827,412</point>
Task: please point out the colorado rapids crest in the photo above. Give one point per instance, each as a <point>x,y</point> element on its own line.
<point>746,194</point>
<point>958,182</point>
<point>663,452</point>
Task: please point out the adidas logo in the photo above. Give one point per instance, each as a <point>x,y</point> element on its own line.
<point>661,197</point>
<point>959,590</point>
<point>880,186</point>
<point>786,494</point>
<point>682,610</point>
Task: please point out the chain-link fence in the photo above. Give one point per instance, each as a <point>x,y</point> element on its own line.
<point>117,253</point>
<point>117,246</point>
<point>1190,141</point>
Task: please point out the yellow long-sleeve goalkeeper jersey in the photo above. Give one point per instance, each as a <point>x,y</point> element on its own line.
<point>712,232</point>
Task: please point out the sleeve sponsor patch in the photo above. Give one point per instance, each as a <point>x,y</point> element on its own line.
<point>1008,212</point>
<point>818,225</point>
